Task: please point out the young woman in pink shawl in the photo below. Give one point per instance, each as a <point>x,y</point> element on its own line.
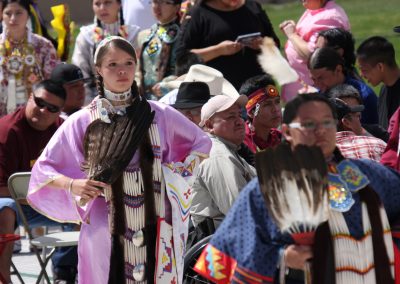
<point>133,205</point>
<point>302,37</point>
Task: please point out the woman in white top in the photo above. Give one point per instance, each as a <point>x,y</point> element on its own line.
<point>108,21</point>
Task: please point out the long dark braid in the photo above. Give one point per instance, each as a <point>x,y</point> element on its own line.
<point>135,90</point>
<point>98,23</point>
<point>121,16</point>
<point>99,85</point>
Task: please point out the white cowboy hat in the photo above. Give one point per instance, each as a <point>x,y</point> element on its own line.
<point>213,78</point>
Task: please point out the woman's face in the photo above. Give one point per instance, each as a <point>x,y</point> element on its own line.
<point>15,17</point>
<point>164,10</point>
<point>313,4</point>
<point>117,69</point>
<point>106,10</point>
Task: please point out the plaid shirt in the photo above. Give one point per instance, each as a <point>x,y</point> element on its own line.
<point>357,147</point>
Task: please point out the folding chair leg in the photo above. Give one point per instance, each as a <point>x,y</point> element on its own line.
<point>43,264</point>
<point>15,271</point>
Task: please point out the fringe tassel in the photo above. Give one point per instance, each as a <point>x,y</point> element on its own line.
<point>367,260</point>
<point>146,166</point>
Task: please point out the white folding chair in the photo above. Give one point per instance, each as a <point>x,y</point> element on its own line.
<point>18,184</point>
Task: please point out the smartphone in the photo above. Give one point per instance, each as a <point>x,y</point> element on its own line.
<point>246,39</point>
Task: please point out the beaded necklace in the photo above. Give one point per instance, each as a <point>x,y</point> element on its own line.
<point>19,59</point>
<point>113,103</point>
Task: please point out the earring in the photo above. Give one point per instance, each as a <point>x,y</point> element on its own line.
<point>257,109</point>
<point>251,127</point>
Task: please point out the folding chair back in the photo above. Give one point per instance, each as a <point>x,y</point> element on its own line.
<point>18,184</point>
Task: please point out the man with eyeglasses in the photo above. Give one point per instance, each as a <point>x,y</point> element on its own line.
<point>23,136</point>
<point>355,245</point>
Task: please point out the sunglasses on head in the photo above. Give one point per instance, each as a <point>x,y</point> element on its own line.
<point>41,103</point>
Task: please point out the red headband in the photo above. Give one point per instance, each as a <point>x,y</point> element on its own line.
<point>261,95</point>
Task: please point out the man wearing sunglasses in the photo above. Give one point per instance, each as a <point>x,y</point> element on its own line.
<point>23,136</point>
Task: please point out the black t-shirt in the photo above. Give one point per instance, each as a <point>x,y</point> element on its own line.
<point>207,27</point>
<point>389,101</point>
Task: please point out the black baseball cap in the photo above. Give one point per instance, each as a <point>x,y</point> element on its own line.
<point>343,109</point>
<point>67,74</point>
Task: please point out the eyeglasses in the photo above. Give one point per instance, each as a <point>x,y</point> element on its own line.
<point>162,2</point>
<point>41,103</point>
<point>312,126</point>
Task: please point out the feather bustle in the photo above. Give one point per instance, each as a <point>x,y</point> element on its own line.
<point>272,62</point>
<point>294,186</point>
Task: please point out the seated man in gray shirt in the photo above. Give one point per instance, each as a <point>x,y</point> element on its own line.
<point>221,177</point>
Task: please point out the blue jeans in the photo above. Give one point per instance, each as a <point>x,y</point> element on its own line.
<point>63,257</point>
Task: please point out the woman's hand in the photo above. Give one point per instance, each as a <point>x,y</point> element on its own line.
<point>87,189</point>
<point>228,47</point>
<point>296,256</point>
<point>288,27</point>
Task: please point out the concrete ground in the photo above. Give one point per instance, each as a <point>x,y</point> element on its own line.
<point>27,264</point>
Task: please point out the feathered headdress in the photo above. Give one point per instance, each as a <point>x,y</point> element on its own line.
<point>294,185</point>
<point>272,62</point>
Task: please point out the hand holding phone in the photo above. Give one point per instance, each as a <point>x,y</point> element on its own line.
<point>247,39</point>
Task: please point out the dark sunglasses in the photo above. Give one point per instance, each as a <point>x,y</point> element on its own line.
<point>41,103</point>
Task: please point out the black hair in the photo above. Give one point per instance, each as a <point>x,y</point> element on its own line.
<point>185,61</point>
<point>344,91</point>
<point>292,107</point>
<point>23,3</point>
<point>121,16</point>
<point>376,50</point>
<point>120,44</point>
<point>51,87</point>
<point>325,57</point>
<point>340,38</point>
<point>255,83</point>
